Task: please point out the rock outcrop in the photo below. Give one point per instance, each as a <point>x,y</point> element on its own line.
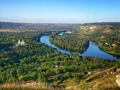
<point>118,79</point>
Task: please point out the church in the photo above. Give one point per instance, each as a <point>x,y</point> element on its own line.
<point>20,43</point>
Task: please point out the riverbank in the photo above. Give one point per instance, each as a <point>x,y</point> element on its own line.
<point>93,50</point>
<point>41,63</point>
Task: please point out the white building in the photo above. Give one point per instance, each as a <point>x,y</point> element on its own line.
<point>20,43</point>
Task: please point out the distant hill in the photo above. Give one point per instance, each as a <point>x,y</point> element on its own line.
<point>10,25</point>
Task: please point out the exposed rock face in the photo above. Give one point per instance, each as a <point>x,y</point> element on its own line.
<point>118,79</point>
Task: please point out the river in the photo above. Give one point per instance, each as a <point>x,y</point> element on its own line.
<point>93,50</point>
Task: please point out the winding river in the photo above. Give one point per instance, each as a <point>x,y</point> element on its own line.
<point>93,50</point>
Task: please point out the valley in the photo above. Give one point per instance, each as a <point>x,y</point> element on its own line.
<point>37,65</point>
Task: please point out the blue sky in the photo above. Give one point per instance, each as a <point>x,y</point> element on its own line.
<point>60,11</point>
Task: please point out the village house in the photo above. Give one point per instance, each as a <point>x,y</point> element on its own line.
<point>114,45</point>
<point>106,43</point>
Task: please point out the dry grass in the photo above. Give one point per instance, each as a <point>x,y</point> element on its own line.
<point>9,30</point>
<point>28,86</point>
<point>104,82</point>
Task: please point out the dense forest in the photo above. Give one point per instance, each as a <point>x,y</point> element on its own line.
<point>40,63</point>
<point>106,36</point>
<point>71,42</point>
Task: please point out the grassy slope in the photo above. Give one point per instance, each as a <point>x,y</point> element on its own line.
<point>105,82</point>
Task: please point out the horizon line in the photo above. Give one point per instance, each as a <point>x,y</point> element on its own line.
<point>54,22</point>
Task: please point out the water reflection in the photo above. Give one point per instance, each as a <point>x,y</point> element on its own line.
<point>93,50</point>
